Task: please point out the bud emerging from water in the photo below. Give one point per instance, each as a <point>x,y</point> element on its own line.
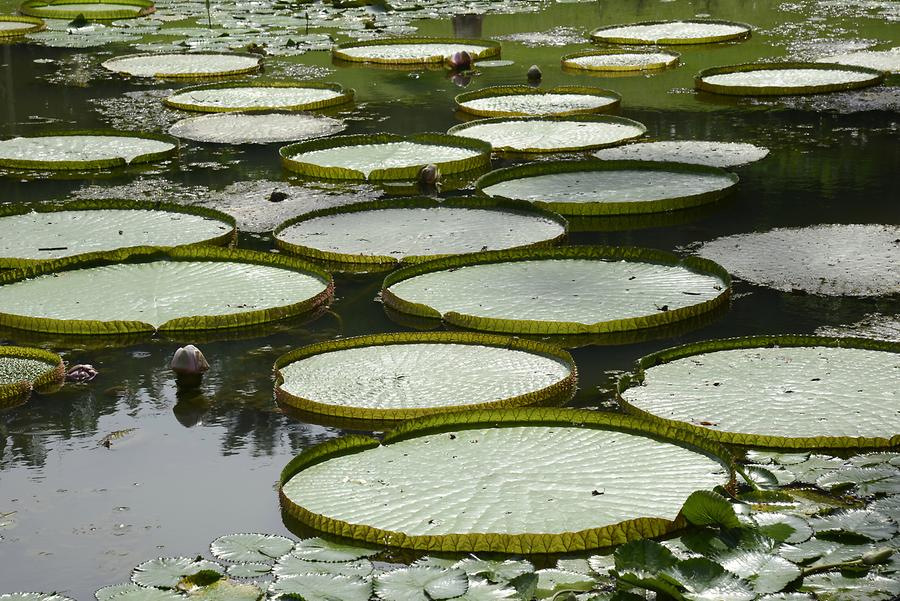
<point>461,61</point>
<point>189,364</point>
<point>429,175</point>
<point>534,73</point>
<point>81,373</point>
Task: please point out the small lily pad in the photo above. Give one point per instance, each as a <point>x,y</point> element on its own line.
<point>421,584</point>
<point>323,587</point>
<point>290,566</point>
<point>883,60</point>
<point>697,152</point>
<point>320,549</point>
<point>167,572</point>
<point>245,548</point>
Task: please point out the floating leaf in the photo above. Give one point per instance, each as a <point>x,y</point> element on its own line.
<point>245,548</point>
<point>526,101</point>
<point>768,522</point>
<point>706,508</point>
<point>421,584</point>
<point>94,10</point>
<point>765,572</point>
<point>865,481</point>
<point>882,60</point>
<point>23,369</point>
<point>495,571</point>
<point>83,150</point>
<point>226,590</point>
<point>869,524</point>
<point>485,591</point>
<point>167,572</point>
<point>697,152</point>
<point>290,565</point>
<point>619,61</point>
<point>693,31</point>
<point>13,26</point>
<point>705,580</point>
<point>833,586</point>
<point>319,549</point>
<point>323,587</point>
<point>552,581</point>
<point>108,592</point>
<point>259,96</point>
<point>184,66</point>
<point>770,79</point>
<point>412,51</point>
<point>248,570</point>
<point>255,128</point>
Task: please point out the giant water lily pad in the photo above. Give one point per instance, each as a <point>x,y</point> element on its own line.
<point>416,229</point>
<point>384,156</point>
<point>693,31</point>
<point>81,150</point>
<point>573,290</point>
<point>777,391</point>
<point>147,289</point>
<point>399,376</point>
<point>185,65</point>
<point>547,481</point>
<point>253,128</point>
<point>619,60</point>
<point>587,188</point>
<point>411,51</point>
<point>774,79</point>
<point>14,25</point>
<point>550,134</point>
<point>525,101</point>
<point>23,369</point>
<point>882,60</point>
<point>259,96</point>
<point>828,260</point>
<point>697,152</point>
<point>53,231</point>
<point>91,9</point>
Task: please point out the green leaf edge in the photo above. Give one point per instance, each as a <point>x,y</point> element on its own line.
<point>346,96</point>
<point>534,327</point>
<point>385,262</point>
<point>226,239</point>
<point>510,90</point>
<point>559,392</point>
<point>143,254</point>
<point>17,392</point>
<point>526,544</point>
<point>627,207</point>
<point>567,65</point>
<point>758,440</point>
<point>30,25</point>
<point>596,35</point>
<point>458,130</point>
<point>183,76</point>
<point>876,78</point>
<point>483,159</point>
<point>35,8</point>
<point>492,49</point>
<point>150,157</point>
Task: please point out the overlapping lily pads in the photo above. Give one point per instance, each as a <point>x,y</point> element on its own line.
<point>193,65</point>
<point>23,369</point>
<point>42,232</point>
<point>775,79</point>
<point>692,31</point>
<point>697,152</point>
<point>259,96</point>
<point>105,10</point>
<point>85,150</point>
<point>562,291</point>
<point>400,376</point>
<point>551,134</point>
<point>775,391</point>
<point>827,260</point>
<point>384,156</point>
<point>413,51</point>
<point>148,289</point>
<point>14,25</point>
<point>619,60</point>
<point>459,482</point>
<point>255,128</point>
<point>526,101</point>
<point>589,188</point>
<point>413,230</point>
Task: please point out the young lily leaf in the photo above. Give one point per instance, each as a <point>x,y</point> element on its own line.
<point>705,580</point>
<point>833,586</point>
<point>552,581</point>
<point>319,549</point>
<point>794,528</point>
<point>323,587</point>
<point>32,597</point>
<point>244,548</point>
<point>249,570</point>
<point>167,572</point>
<point>868,524</point>
<point>290,565</point>
<point>765,572</point>
<point>485,591</point>
<point>786,597</point>
<point>706,508</point>
<point>107,592</point>
<point>643,558</point>
<point>766,457</point>
<point>494,571</point>
<point>889,506</point>
<point>227,590</point>
<point>525,585</point>
<point>864,481</point>
<point>421,584</point>
<point>583,566</point>
<point>141,593</point>
<point>809,471</point>
<point>875,460</point>
<point>809,550</point>
<point>764,478</point>
<point>429,561</point>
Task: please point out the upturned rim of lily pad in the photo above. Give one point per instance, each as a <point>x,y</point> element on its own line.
<point>408,173</point>
<point>368,263</point>
<point>149,254</point>
<point>597,36</point>
<point>525,544</point>
<point>558,328</point>
<point>876,77</point>
<point>16,393</point>
<point>29,25</point>
<point>345,96</point>
<point>523,90</point>
<point>93,164</point>
<point>188,76</point>
<point>37,8</point>
<point>491,50</point>
<point>628,207</point>
<point>557,393</point>
<point>748,342</point>
<point>225,239</point>
<point>567,64</point>
<point>459,130</point>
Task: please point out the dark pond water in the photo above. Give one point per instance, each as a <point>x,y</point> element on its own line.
<point>205,464</point>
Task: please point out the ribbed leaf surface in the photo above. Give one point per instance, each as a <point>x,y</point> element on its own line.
<point>184,65</point>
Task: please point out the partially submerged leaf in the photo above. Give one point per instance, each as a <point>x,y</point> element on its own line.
<point>247,548</point>
<point>706,508</point>
<point>167,572</point>
<point>320,549</point>
<point>421,584</point>
<point>323,587</point>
